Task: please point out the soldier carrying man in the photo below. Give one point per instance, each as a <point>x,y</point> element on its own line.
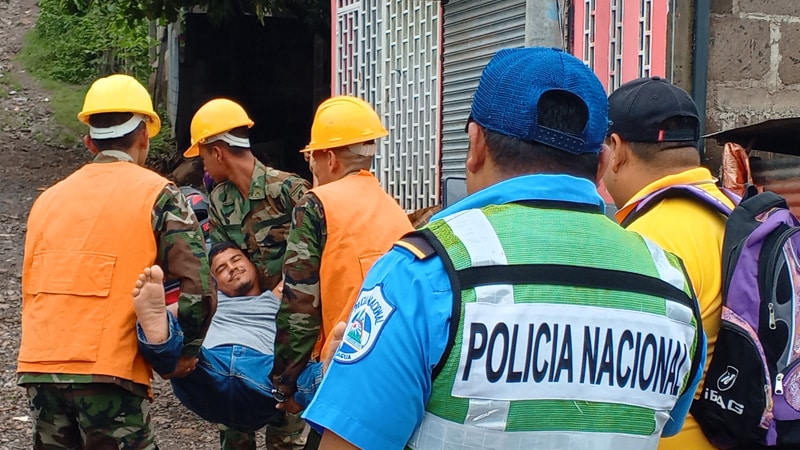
<point>87,383</point>
<point>250,206</point>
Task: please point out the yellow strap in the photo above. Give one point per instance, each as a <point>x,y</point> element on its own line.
<point>412,248</point>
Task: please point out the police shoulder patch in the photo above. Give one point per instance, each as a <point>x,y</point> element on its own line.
<point>370,313</point>
<point>416,243</point>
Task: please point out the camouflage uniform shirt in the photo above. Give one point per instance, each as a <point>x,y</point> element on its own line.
<point>300,315</point>
<point>182,254</point>
<point>259,223</point>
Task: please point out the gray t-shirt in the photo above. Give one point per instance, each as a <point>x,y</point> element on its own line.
<point>248,321</point>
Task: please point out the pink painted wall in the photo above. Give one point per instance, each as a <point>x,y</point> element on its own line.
<point>631,10</point>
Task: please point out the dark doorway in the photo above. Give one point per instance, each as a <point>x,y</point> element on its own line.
<point>278,72</point>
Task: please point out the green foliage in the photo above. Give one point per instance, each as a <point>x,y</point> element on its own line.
<point>162,157</point>
<point>91,38</point>
<point>77,41</point>
<point>163,144</point>
<point>8,83</point>
<point>86,39</point>
<point>316,13</point>
<point>66,99</point>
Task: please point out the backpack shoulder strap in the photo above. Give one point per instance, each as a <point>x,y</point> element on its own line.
<point>756,203</point>
<point>742,222</point>
<point>680,190</point>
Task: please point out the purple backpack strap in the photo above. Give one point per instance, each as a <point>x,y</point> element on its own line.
<point>678,190</point>
<point>732,196</point>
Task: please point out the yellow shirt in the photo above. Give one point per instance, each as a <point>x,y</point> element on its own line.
<point>694,232</point>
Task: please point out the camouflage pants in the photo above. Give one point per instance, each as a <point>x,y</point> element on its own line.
<point>290,435</point>
<point>94,416</point>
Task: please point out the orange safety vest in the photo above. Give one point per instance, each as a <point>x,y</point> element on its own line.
<point>356,237</point>
<point>88,239</point>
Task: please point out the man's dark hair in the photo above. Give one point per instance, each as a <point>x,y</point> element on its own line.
<point>240,132</point>
<point>106,120</point>
<point>648,151</point>
<point>220,247</point>
<point>559,110</point>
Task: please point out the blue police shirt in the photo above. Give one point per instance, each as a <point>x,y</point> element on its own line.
<point>375,390</point>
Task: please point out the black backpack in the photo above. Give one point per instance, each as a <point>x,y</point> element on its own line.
<point>751,393</point>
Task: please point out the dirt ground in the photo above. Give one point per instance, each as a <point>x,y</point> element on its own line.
<point>28,164</point>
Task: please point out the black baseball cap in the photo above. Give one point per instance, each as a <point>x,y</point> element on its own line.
<point>638,109</point>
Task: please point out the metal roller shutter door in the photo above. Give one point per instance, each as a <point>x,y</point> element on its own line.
<point>474,30</point>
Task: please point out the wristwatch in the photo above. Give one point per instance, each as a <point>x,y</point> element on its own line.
<point>278,395</point>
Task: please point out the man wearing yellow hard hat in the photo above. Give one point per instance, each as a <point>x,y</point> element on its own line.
<point>88,238</point>
<point>252,203</point>
<point>339,229</point>
<point>250,206</point>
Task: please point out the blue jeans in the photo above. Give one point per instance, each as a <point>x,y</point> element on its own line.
<point>230,384</point>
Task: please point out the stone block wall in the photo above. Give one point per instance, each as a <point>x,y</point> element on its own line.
<point>754,64</point>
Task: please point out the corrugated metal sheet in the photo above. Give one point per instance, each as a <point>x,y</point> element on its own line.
<point>173,67</point>
<point>474,30</point>
<point>778,173</point>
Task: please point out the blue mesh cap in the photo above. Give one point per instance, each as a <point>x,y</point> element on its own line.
<point>514,80</point>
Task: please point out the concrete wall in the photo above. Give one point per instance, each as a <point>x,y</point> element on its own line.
<point>754,64</point>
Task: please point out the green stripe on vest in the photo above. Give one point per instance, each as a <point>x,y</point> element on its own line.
<point>552,236</point>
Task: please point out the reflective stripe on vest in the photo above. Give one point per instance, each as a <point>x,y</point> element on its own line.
<point>438,433</point>
<point>599,380</point>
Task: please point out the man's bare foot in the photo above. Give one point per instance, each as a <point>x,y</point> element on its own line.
<point>148,302</point>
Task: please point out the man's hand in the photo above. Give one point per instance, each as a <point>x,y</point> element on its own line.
<point>332,441</point>
<point>290,406</point>
<point>185,366</point>
<point>278,290</point>
<point>336,338</point>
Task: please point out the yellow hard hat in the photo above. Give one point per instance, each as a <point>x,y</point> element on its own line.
<point>120,93</point>
<point>216,116</point>
<point>342,121</point>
